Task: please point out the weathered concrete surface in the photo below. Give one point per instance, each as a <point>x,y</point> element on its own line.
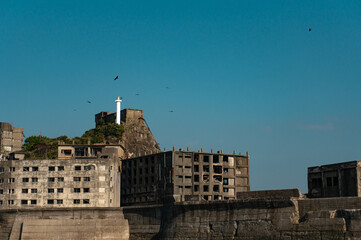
<point>286,219</point>
<point>73,224</point>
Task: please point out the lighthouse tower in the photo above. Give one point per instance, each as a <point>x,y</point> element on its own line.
<point>118,101</point>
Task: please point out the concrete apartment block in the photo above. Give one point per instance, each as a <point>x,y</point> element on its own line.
<point>335,180</point>
<point>75,181</point>
<point>11,138</point>
<point>184,176</point>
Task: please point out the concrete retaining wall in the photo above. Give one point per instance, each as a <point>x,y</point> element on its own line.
<point>288,219</point>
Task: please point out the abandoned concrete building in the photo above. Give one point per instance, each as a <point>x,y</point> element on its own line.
<point>184,176</point>
<point>335,180</point>
<point>83,176</point>
<point>11,138</point>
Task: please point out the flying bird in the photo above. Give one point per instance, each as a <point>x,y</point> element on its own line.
<point>167,87</point>
<point>89,101</point>
<point>116,78</point>
<point>137,94</point>
<point>74,110</point>
<point>309,29</point>
<point>171,111</point>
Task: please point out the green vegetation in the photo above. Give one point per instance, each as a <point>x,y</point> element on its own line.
<point>41,147</point>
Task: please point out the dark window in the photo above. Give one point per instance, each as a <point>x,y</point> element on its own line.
<point>26,169</point>
<point>217,169</point>
<point>196,168</point>
<point>196,188</point>
<point>60,190</point>
<point>77,168</point>
<point>60,179</point>
<point>196,178</point>
<point>86,190</point>
<point>12,169</point>
<point>1,191</point>
<point>51,179</point>
<point>24,191</point>
<point>152,170</point>
<point>215,188</point>
<point>33,202</point>
<point>66,152</point>
<point>51,168</point>
<point>329,182</point>
<point>86,179</point>
<point>24,202</point>
<point>205,168</point>
<point>89,167</point>
<point>50,201</point>
<point>35,169</point>
<point>34,190</point>
<point>77,190</point>
<point>225,158</point>
<point>76,201</point>
<point>86,201</point>
<point>205,188</point>
<point>215,159</point>
<point>206,158</point>
<point>50,190</point>
<point>225,170</point>
<point>34,179</point>
<point>76,179</point>
<point>59,201</point>
<point>61,168</point>
<point>1,169</point>
<point>335,181</point>
<point>25,179</point>
<point>196,157</point>
<point>225,189</point>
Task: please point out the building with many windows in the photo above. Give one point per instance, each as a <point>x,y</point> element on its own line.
<point>71,181</point>
<point>184,176</point>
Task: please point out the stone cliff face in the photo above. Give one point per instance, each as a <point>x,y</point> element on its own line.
<point>137,138</point>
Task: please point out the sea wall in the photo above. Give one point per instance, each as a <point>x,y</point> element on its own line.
<point>275,217</point>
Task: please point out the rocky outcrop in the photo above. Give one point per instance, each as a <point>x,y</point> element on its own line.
<point>137,138</point>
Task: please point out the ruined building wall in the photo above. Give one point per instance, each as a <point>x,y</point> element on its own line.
<point>184,176</point>
<point>11,138</point>
<point>88,182</point>
<point>335,180</point>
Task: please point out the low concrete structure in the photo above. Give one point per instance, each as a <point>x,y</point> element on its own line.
<point>184,176</point>
<point>335,180</point>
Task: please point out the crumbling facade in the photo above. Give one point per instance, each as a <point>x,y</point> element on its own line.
<point>184,176</point>
<point>11,138</point>
<point>84,180</point>
<point>335,180</point>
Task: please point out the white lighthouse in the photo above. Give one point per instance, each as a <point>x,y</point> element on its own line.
<point>118,101</point>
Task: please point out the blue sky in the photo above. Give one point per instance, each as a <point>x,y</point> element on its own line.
<point>241,75</point>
